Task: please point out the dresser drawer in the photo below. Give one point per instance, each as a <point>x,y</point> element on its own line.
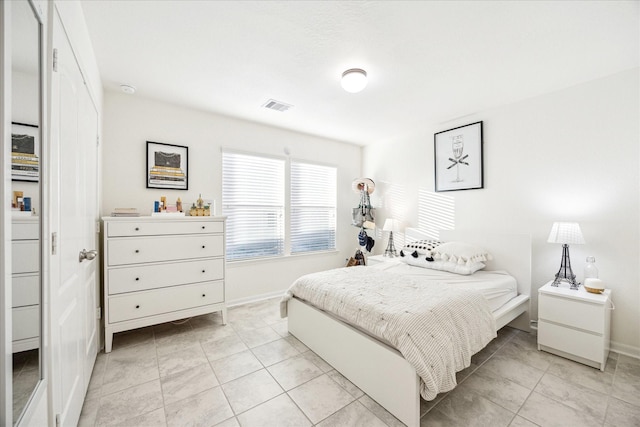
<point>170,248</point>
<point>28,230</point>
<point>25,290</point>
<point>156,228</point>
<point>159,301</point>
<point>24,256</point>
<point>576,313</point>
<point>139,278</point>
<point>571,341</point>
<point>26,322</point>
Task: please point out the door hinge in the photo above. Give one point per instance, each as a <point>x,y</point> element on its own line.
<point>57,420</point>
<point>54,242</point>
<point>97,140</point>
<point>98,313</point>
<point>97,226</point>
<point>55,60</point>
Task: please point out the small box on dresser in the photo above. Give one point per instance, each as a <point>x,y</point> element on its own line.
<point>575,324</point>
<point>158,270</point>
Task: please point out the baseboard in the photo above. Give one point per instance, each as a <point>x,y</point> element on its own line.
<point>627,350</point>
<point>255,298</point>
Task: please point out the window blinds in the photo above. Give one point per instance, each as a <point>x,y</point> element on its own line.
<point>313,207</point>
<point>253,201</point>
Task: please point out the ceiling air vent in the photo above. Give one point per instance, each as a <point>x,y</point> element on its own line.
<point>272,104</point>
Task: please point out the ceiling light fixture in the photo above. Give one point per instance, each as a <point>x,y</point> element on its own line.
<point>354,80</point>
<point>130,90</point>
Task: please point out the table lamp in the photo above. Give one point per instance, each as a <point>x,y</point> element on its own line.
<point>391,225</point>
<point>566,233</point>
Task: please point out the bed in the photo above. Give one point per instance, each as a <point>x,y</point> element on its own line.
<point>378,368</point>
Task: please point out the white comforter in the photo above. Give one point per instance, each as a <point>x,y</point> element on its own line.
<point>436,326</point>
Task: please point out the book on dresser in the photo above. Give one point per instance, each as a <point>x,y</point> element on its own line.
<point>159,270</point>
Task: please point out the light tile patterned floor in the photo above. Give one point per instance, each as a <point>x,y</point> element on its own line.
<point>253,373</point>
<point>26,375</point>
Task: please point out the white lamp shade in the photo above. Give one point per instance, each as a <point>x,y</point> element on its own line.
<point>391,224</point>
<point>566,233</point>
<point>354,80</point>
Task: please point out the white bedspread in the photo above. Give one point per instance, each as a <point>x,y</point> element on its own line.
<point>437,327</point>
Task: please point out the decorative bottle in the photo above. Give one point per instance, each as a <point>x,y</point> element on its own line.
<point>590,269</point>
<point>200,202</point>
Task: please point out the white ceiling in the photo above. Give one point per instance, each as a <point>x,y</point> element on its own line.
<point>428,62</point>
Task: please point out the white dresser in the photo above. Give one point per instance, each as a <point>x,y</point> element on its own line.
<point>574,323</point>
<point>25,282</point>
<point>158,270</point>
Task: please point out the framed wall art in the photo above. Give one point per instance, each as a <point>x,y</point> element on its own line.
<point>25,150</point>
<point>167,166</point>
<point>458,158</point>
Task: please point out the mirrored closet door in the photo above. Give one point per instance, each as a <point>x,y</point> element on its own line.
<point>26,149</point>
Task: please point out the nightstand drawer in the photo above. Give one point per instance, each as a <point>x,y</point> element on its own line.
<point>574,342</point>
<point>575,313</point>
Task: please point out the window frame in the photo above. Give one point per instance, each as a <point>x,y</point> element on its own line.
<point>287,211</point>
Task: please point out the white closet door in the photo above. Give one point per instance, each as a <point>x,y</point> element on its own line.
<point>73,201</point>
<point>88,135</point>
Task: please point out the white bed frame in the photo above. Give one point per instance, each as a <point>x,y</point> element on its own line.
<point>380,370</point>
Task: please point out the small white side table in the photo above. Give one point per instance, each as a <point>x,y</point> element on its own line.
<point>575,324</point>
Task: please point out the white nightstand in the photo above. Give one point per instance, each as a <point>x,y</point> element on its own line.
<point>574,324</point>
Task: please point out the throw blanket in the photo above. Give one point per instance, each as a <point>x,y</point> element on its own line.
<point>436,327</point>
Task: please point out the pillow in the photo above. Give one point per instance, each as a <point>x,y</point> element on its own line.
<point>419,247</point>
<point>452,267</point>
<point>461,253</point>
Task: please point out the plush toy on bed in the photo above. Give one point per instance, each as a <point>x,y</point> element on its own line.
<point>357,259</point>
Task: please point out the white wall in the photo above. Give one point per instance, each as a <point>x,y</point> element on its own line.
<point>130,121</point>
<point>570,155</point>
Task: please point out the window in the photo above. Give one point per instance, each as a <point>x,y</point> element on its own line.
<point>253,200</point>
<point>313,207</point>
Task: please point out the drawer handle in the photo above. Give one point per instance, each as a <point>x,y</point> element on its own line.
<point>202,246</point>
<point>203,227</point>
<point>203,271</point>
<point>137,228</point>
<point>204,295</point>
<point>137,278</point>
<point>138,306</point>
<point>137,251</point>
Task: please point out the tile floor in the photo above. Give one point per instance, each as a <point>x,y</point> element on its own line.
<point>26,374</point>
<point>253,373</point>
